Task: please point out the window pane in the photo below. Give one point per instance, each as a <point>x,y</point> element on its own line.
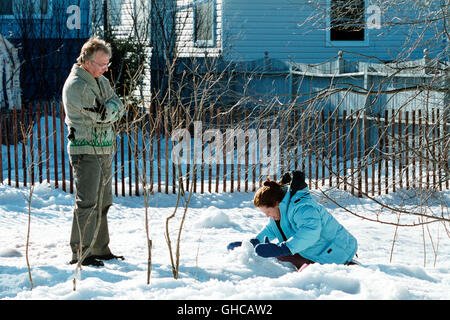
<point>23,7</point>
<point>40,7</point>
<point>204,21</point>
<point>347,20</point>
<point>6,7</point>
<point>43,7</point>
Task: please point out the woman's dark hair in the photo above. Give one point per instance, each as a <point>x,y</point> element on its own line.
<point>269,194</point>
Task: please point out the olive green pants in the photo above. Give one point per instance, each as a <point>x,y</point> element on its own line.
<point>92,175</point>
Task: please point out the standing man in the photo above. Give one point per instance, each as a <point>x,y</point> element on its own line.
<point>92,108</point>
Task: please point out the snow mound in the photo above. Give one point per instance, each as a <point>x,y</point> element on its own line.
<point>9,253</point>
<point>215,218</point>
<point>244,261</point>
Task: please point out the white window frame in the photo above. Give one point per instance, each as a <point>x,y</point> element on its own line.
<point>205,43</point>
<point>15,14</point>
<point>356,43</point>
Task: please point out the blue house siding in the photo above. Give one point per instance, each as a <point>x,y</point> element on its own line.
<point>48,45</point>
<point>297,31</point>
<point>52,25</point>
<point>278,56</point>
<point>46,65</point>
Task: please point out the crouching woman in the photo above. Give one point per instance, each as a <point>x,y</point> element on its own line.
<point>305,230</point>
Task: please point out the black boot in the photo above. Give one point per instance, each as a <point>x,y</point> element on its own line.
<point>89,261</point>
<point>109,256</point>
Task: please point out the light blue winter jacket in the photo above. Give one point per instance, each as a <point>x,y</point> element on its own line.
<point>311,230</point>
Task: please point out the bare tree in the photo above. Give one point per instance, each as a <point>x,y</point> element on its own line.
<point>26,133</point>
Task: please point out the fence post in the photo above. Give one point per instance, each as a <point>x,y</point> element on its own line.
<point>254,161</point>
<point>413,146</point>
<point>16,165</point>
<point>130,172</point>
<point>366,153</point>
<point>136,158</point>
<point>55,146</point>
<point>1,144</point>
<point>39,137</point>
<point>310,142</point>
<point>352,152</point>
<point>202,165</point>
<point>194,164</point>
<point>283,142</point>
<point>177,116</point>
<point>166,151</point>
<point>446,148</point>
<point>358,152</point>
<point>63,148</point>
<point>344,147</point>
<point>152,123</point>
<point>188,156</point>
<point>393,150</point>
<point>386,151</point>
<point>337,144</point>
<point>427,163</point>
<point>47,147</point>
<point>407,149</point>
<point>122,158</point>
<point>217,162</point>
<point>231,156</point>
<point>436,166</point>
<point>246,150</point>
<point>224,151</point>
<point>239,111</point>
<point>438,138</point>
<point>116,171</point>
<point>8,149</point>
<point>322,156</point>
<point>330,149</point>
<point>24,143</point>
<point>158,144</point>
<point>420,138</point>
<point>30,121</point>
<point>317,151</point>
<point>144,152</point>
<point>260,155</point>
<point>373,157</point>
<point>297,142</point>
<point>381,138</point>
<point>211,117</point>
<point>303,140</point>
<point>399,146</point>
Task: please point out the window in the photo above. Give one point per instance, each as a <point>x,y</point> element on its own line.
<point>347,21</point>
<point>41,7</point>
<point>6,7</point>
<point>204,23</point>
<point>25,8</point>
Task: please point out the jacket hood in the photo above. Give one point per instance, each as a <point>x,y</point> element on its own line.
<point>300,194</point>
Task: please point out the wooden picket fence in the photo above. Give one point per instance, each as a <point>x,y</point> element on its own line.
<point>365,155</point>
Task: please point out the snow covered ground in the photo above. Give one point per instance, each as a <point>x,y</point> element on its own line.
<point>207,269</point>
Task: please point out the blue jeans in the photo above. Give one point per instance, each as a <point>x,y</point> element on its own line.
<point>297,260</point>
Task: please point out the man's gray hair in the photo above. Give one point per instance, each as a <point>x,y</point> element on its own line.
<point>91,46</point>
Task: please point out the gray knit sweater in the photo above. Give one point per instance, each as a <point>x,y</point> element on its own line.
<point>90,131</point>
